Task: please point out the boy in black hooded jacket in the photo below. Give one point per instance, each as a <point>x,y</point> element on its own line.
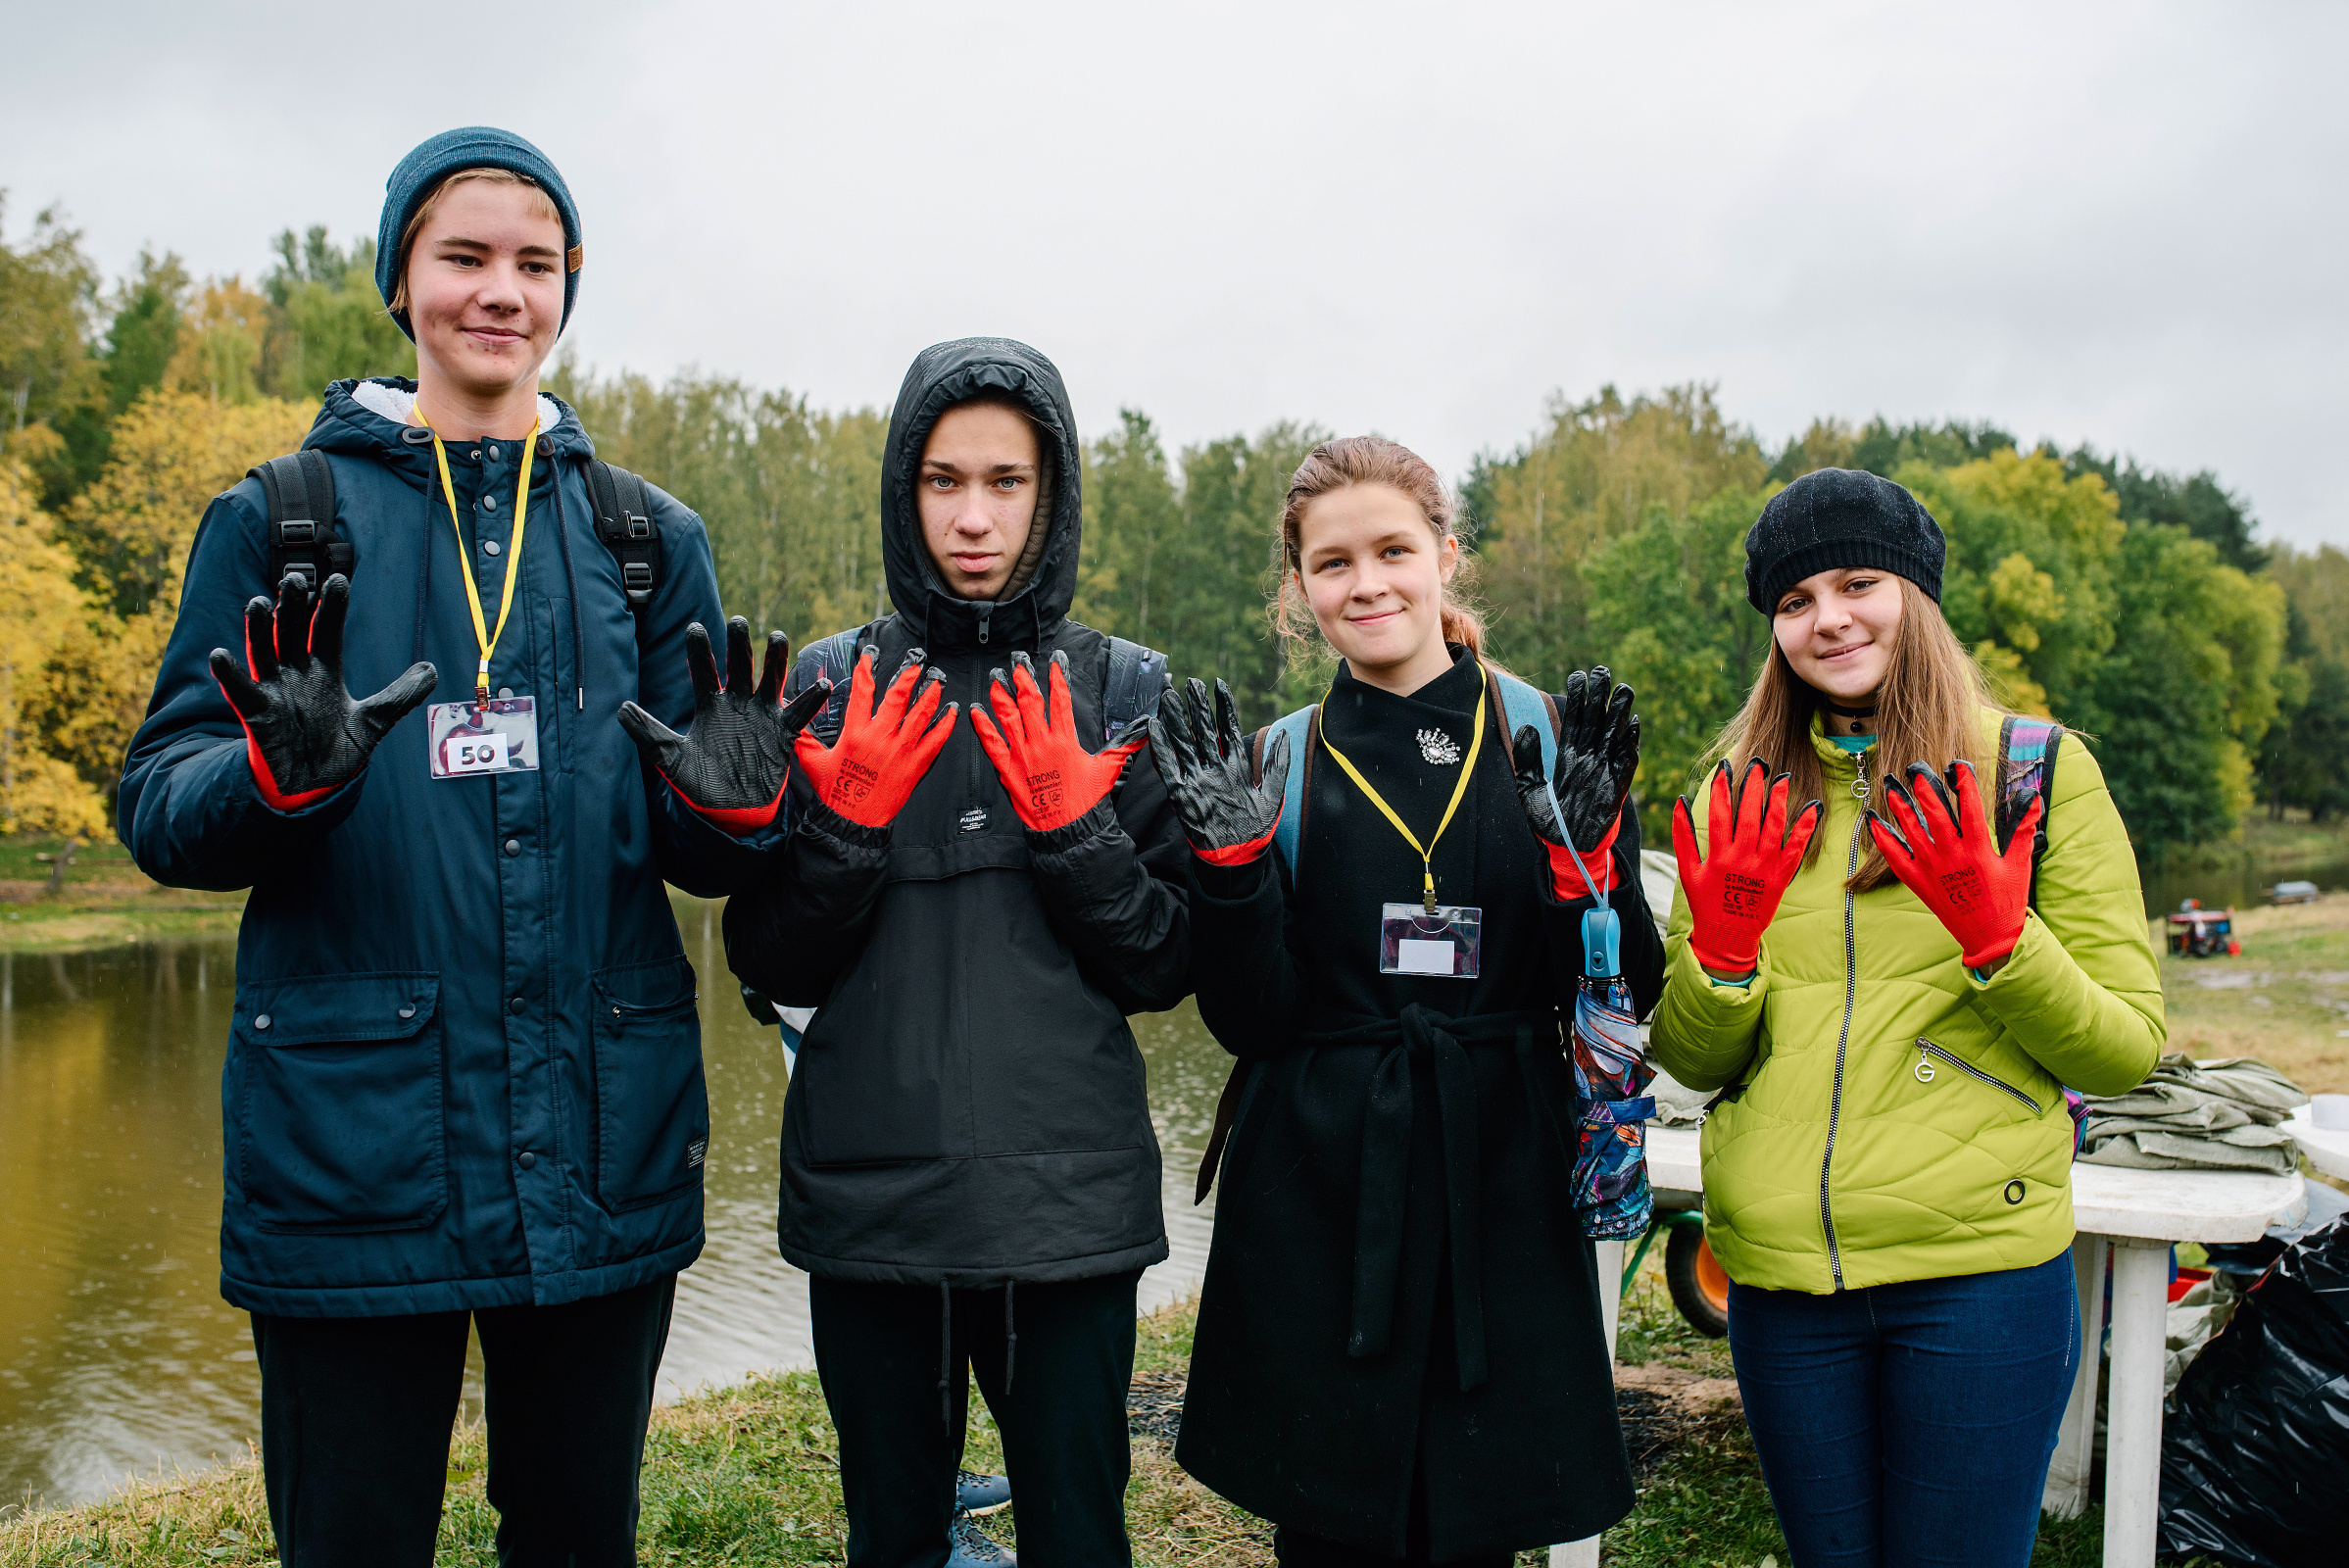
<point>970,1170</point>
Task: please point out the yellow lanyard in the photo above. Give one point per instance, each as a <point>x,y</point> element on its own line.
<point>1427,852</point>
<point>482,633</point>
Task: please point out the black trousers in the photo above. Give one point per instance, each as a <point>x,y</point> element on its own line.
<point>356,1412</point>
<point>1052,1361</point>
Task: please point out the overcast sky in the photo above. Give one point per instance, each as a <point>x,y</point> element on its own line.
<point>2122,224</point>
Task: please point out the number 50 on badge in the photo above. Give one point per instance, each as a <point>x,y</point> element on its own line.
<point>495,737</point>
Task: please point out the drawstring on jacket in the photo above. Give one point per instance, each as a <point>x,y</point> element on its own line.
<point>945,1352</point>
<point>562,536</point>
<point>423,584</point>
<point>945,1347</point>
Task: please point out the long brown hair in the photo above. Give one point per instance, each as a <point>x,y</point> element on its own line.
<point>1928,710</point>
<point>1353,460</point>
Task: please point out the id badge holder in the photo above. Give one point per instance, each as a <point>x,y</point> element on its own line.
<point>470,739</point>
<point>1444,943</point>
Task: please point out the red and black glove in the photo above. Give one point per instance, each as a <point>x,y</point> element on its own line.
<point>305,738</point>
<point>1228,816</point>
<point>1052,779</point>
<point>883,750</point>
<point>1946,853</point>
<point>1599,752</point>
<point>1750,856</point>
<point>732,761</point>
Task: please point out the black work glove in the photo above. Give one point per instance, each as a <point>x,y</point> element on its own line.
<point>304,735</point>
<point>732,760</point>
<point>1202,754</point>
<point>1598,751</point>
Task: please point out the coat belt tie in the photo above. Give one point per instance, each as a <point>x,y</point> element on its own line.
<point>1421,1033</point>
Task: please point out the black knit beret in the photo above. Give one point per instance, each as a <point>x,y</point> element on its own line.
<point>1836,517</point>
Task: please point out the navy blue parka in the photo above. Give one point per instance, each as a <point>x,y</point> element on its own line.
<point>464,1066</point>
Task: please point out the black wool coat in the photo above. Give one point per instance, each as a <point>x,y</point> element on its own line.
<point>1446,1322</point>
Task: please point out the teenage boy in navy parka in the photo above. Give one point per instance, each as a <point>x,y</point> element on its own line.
<point>970,1170</point>
<point>464,1077</point>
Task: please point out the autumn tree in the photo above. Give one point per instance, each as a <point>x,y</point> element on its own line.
<point>39,608</point>
<point>1589,478</point>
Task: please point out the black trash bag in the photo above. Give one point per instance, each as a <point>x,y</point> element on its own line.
<point>2255,1439</point>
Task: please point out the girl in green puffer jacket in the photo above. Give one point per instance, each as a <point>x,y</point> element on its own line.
<point>1890,1014</point>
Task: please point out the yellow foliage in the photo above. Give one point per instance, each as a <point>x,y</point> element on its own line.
<point>40,607</point>
<point>2021,600</point>
<point>221,337</point>
<point>172,452</point>
<point>2009,681</point>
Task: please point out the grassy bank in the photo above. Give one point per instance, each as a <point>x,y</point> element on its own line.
<point>2285,999</point>
<point>747,1475</point>
<point>104,901</point>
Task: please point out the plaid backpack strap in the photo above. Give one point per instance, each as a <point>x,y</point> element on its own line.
<point>2026,750</point>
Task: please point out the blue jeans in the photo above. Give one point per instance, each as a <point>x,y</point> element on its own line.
<point>1909,1423</point>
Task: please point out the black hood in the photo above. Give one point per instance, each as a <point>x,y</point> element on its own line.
<point>943,375</point>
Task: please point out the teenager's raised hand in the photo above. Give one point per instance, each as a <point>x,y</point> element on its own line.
<point>1750,858</point>
<point>1032,741</point>
<point>1228,816</point>
<point>304,735</point>
<point>732,760</point>
<point>1947,853</point>
<point>1598,751</point>
<point>884,748</point>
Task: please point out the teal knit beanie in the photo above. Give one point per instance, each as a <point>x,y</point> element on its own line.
<point>468,147</point>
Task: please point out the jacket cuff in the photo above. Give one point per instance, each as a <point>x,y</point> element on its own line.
<point>1699,989</point>
<point>326,811</point>
<point>1059,841</point>
<point>1229,884</point>
<point>819,818</point>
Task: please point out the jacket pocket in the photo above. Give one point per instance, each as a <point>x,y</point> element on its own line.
<point>340,1102</point>
<point>652,1103</point>
<point>1928,1055</point>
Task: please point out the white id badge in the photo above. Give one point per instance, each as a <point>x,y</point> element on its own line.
<point>1446,944</point>
<point>500,736</point>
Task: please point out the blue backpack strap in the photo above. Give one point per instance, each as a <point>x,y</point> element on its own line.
<point>1298,728</point>
<point>1523,704</point>
<point>1136,680</point>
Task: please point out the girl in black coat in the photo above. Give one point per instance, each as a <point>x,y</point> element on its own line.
<point>1399,1354</point>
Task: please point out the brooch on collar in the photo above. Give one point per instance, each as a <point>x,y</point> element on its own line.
<point>1438,747</point>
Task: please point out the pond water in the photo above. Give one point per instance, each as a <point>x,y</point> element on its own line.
<point>117,1353</point>
<point>2242,885</point>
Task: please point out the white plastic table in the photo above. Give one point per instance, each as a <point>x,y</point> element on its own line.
<point>2326,1148</point>
<point>2133,1217</point>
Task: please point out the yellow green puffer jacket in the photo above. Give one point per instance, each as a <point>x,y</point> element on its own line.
<point>1887,1116</point>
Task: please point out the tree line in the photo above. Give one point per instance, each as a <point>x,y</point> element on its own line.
<point>2132,603</point>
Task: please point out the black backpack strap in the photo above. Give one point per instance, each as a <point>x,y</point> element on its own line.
<point>1136,681</point>
<point>624,516</point>
<point>300,488</point>
<point>833,659</point>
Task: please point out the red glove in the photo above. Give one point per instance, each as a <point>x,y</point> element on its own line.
<point>1949,857</point>
<point>1052,779</point>
<point>882,752</point>
<point>1752,855</point>
<point>1566,878</point>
